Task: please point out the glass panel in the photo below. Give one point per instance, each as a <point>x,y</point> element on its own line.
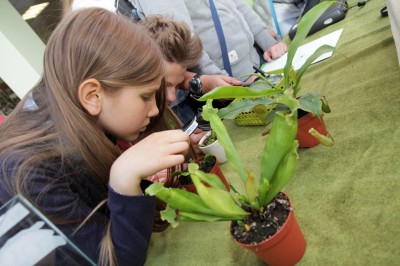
<point>27,237</point>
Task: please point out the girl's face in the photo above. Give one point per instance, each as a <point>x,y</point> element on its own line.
<point>127,112</point>
<point>174,78</point>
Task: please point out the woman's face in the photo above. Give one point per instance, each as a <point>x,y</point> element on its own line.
<point>127,112</point>
<point>174,78</point>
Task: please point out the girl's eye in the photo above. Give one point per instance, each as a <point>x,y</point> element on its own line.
<point>146,98</point>
<point>177,87</point>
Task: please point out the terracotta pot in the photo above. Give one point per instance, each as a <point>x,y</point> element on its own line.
<point>159,225</point>
<point>306,140</point>
<point>189,187</point>
<point>285,247</point>
<point>215,170</point>
<point>214,148</point>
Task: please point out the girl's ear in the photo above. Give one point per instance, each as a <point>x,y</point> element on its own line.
<point>91,96</point>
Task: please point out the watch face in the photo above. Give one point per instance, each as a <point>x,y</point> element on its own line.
<point>195,86</point>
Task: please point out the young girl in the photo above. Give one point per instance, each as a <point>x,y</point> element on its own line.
<point>102,75</point>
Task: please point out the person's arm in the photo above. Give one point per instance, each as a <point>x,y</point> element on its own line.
<point>262,8</point>
<point>131,216</point>
<point>208,66</point>
<point>67,194</point>
<point>261,34</point>
<point>275,51</point>
<point>132,213</point>
<point>131,226</point>
<point>150,155</point>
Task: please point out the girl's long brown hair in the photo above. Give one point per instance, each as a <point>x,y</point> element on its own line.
<point>89,43</point>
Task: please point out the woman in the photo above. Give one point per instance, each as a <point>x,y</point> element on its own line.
<point>181,50</point>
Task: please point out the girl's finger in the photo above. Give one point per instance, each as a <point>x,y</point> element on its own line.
<point>178,147</point>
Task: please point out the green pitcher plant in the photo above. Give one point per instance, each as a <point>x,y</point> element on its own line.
<point>213,202</point>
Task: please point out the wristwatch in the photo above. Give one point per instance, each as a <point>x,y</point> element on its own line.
<point>195,86</point>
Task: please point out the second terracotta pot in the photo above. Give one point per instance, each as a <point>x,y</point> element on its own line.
<point>306,140</point>
<point>215,170</point>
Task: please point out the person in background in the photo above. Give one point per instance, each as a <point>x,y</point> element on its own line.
<point>181,50</point>
<point>245,33</point>
<point>248,40</point>
<point>102,81</point>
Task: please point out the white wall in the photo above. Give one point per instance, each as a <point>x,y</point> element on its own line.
<point>21,51</point>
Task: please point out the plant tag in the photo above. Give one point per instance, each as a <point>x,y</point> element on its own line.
<point>190,126</point>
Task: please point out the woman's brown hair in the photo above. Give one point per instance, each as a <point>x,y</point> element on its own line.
<point>177,43</point>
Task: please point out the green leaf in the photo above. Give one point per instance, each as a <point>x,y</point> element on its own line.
<point>244,105</point>
<point>225,92</point>
<point>179,199</point>
<point>196,217</point>
<point>283,174</point>
<point>251,187</point>
<point>299,73</point>
<point>261,84</point>
<point>211,114</point>
<point>305,24</point>
<point>243,200</point>
<point>311,102</point>
<point>288,101</point>
<point>211,179</point>
<point>325,105</point>
<point>169,215</point>
<point>218,200</point>
<point>279,141</point>
<point>262,192</point>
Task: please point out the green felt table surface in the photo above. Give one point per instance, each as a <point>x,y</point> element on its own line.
<point>347,197</point>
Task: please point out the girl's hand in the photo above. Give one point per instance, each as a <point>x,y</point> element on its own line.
<point>158,151</point>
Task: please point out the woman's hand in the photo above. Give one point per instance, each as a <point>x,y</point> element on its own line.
<point>158,151</point>
<point>209,82</point>
<point>275,51</point>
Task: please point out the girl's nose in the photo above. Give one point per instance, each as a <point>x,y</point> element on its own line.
<point>153,109</point>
